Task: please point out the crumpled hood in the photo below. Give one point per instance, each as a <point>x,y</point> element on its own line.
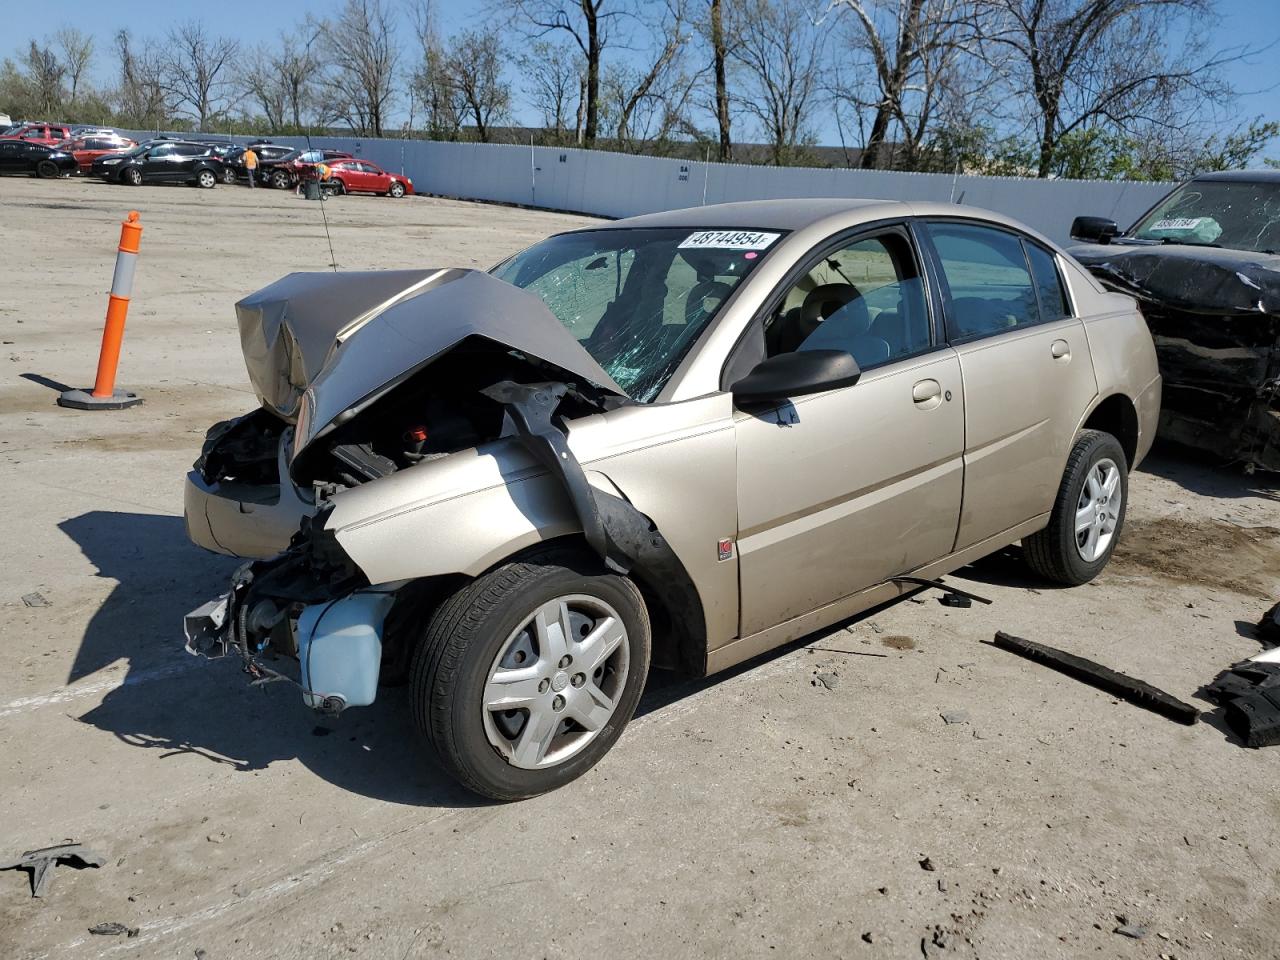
<point>319,347</point>
<point>1197,279</point>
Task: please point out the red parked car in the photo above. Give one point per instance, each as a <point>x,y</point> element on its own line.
<point>46,133</point>
<point>361,176</point>
<point>89,148</point>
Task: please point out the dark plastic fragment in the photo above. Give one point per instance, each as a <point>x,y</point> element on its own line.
<point>41,863</point>
<point>1269,628</point>
<point>1104,678</point>
<point>1249,694</point>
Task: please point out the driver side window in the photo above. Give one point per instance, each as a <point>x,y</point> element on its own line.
<point>866,298</point>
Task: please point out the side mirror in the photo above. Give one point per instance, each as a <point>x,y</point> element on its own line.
<point>1094,229</point>
<point>795,375</point>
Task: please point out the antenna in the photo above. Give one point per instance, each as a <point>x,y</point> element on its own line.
<point>333,261</point>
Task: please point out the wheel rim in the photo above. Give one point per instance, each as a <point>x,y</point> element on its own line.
<point>1098,511</point>
<point>134,177</point>
<point>556,682</point>
<point>397,190</point>
<point>206,179</point>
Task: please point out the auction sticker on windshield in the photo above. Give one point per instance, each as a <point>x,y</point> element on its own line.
<point>728,240</point>
<point>1178,223</point>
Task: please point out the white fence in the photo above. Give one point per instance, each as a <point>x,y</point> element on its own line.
<point>622,185</point>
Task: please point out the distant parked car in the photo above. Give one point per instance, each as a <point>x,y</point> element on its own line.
<point>268,154</point>
<point>91,131</point>
<point>46,133</point>
<point>162,161</point>
<point>361,176</point>
<point>87,148</point>
<point>21,156</point>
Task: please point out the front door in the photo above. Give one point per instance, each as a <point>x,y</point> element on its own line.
<point>841,490</point>
<point>1028,374</point>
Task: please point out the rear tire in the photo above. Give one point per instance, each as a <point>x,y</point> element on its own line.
<point>1087,520</point>
<point>206,179</point>
<point>491,628</point>
<point>46,170</point>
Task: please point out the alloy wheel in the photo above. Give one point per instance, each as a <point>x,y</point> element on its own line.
<point>556,681</point>
<point>1098,510</point>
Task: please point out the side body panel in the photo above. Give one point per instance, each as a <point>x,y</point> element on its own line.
<point>1025,392</point>
<point>840,490</point>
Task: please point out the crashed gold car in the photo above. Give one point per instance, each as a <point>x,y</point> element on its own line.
<point>678,441</point>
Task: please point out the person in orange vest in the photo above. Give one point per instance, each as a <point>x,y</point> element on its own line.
<point>250,163</point>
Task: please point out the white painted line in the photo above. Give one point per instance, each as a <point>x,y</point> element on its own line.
<point>77,692</point>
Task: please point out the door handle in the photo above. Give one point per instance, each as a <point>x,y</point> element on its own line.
<point>1061,350</point>
<point>925,391</point>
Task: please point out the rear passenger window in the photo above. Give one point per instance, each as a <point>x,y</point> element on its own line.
<point>986,270</point>
<point>1053,299</point>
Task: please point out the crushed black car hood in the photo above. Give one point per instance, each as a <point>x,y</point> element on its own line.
<point>320,347</point>
<point>1195,278</point>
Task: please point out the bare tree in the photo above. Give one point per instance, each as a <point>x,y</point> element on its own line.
<point>1110,62</point>
<point>719,44</point>
<point>142,98</point>
<point>362,54</point>
<point>655,87</point>
<point>552,81</point>
<point>45,74</point>
<point>474,69</point>
<point>198,70</point>
<point>779,47</point>
<point>913,47</point>
<point>263,84</point>
<point>77,54</point>
<point>430,86</point>
<point>588,23</point>
<point>297,64</point>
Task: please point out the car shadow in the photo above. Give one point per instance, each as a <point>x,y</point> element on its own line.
<point>1209,477</point>
<point>174,704</point>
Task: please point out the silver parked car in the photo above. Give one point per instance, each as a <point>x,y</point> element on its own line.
<point>678,440</point>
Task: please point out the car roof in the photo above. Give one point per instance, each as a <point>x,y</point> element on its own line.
<point>1239,176</point>
<point>796,214</point>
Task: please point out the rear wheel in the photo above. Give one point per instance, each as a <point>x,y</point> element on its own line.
<point>206,179</point>
<point>46,169</point>
<point>529,674</point>
<point>1088,514</point>
<point>397,190</point>
<point>132,176</point>
<point>337,187</point>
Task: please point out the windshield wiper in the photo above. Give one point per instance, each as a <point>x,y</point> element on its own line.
<point>1189,243</point>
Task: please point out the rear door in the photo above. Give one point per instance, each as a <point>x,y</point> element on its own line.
<point>11,160</point>
<point>1028,376</point>
<point>841,490</point>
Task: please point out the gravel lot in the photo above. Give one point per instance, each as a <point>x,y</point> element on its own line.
<point>760,813</point>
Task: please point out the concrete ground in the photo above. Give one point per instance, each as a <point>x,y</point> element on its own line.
<point>759,813</point>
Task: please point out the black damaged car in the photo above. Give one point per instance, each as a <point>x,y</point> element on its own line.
<point>1204,263</point>
<point>22,156</point>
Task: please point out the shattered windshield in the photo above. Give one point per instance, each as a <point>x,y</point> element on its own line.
<point>637,299</point>
<point>1233,214</point>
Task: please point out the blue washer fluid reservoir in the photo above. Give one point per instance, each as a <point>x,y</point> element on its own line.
<point>340,649</point>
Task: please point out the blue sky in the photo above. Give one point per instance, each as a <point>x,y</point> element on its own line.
<point>1255,22</point>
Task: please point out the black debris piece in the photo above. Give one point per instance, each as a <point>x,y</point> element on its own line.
<point>1269,628</point>
<point>41,863</point>
<point>1249,694</point>
<point>1104,678</point>
<point>947,589</point>
<point>1131,930</point>
<point>955,600</point>
<point>927,864</point>
<point>112,929</point>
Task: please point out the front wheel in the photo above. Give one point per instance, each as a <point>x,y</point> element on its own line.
<point>228,176</point>
<point>528,675</point>
<point>397,190</point>
<point>205,179</point>
<point>279,179</point>
<point>1088,514</point>
<point>132,176</point>
<point>46,169</point>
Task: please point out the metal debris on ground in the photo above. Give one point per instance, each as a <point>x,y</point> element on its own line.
<point>1095,674</point>
<point>41,863</point>
<point>1131,930</point>
<point>35,600</point>
<point>954,716</point>
<point>112,929</point>
<point>927,864</point>
<point>955,600</point>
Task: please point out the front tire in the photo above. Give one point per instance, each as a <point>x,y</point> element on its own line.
<point>46,170</point>
<point>132,176</point>
<point>528,675</point>
<point>396,191</point>
<point>228,176</point>
<point>280,180</point>
<point>1088,513</point>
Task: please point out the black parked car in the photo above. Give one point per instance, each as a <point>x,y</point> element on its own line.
<point>22,156</point>
<point>268,154</point>
<point>163,161</point>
